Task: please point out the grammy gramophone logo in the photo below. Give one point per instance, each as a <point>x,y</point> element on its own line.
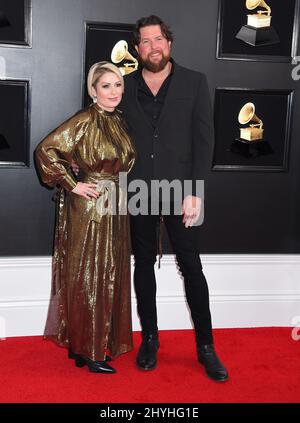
<point>254,131</point>
<point>119,53</point>
<point>258,31</point>
<point>251,142</point>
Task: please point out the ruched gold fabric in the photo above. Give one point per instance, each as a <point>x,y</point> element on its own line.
<point>90,310</point>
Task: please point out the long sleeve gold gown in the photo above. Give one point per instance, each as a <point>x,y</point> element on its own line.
<point>90,309</point>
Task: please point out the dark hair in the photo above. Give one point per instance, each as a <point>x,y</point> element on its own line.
<point>147,21</point>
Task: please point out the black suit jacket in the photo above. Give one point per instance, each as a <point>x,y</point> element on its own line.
<point>181,145</point>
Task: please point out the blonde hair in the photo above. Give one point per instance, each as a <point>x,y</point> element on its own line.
<point>99,69</point>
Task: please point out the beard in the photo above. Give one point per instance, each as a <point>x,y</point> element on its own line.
<point>155,67</point>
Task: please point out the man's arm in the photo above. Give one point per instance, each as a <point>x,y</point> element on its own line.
<point>202,150</point>
<point>203,132</point>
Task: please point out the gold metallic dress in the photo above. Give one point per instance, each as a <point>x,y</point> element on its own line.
<point>90,309</point>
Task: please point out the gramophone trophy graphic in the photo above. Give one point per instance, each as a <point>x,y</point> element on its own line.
<point>251,142</point>
<point>119,53</point>
<point>255,131</point>
<point>258,31</point>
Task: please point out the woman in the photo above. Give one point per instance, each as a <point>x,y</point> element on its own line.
<point>90,309</point>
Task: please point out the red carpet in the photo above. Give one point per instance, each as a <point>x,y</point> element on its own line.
<point>263,363</point>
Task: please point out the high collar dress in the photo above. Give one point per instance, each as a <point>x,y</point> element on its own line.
<point>90,308</point>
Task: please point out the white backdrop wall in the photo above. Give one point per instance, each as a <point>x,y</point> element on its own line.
<point>245,291</point>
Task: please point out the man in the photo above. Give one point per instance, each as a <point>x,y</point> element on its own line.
<point>168,110</point>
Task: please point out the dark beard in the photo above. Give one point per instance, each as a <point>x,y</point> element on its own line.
<point>155,67</point>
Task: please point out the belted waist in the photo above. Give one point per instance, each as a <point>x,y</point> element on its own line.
<point>94,177</point>
<point>112,199</point>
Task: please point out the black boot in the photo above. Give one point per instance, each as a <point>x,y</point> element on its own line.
<point>213,366</point>
<point>146,358</point>
<point>94,366</point>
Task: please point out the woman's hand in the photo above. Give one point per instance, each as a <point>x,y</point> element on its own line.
<point>87,191</point>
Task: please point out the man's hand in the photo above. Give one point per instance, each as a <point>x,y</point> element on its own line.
<point>75,167</point>
<point>191,209</point>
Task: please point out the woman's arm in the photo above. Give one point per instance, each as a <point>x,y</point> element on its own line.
<point>54,153</point>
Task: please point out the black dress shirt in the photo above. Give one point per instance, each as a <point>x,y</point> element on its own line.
<point>152,105</point>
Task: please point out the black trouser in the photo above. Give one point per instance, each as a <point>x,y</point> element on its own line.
<point>185,242</point>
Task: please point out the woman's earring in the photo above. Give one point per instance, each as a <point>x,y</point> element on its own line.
<point>95,99</point>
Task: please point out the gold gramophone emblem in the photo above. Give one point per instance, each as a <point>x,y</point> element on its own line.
<point>258,31</point>
<point>253,132</point>
<point>120,52</point>
<point>262,18</point>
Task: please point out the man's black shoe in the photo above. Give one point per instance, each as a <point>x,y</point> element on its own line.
<point>146,358</point>
<point>213,366</point>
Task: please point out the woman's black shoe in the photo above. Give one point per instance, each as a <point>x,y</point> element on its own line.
<point>94,366</point>
<point>77,356</point>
